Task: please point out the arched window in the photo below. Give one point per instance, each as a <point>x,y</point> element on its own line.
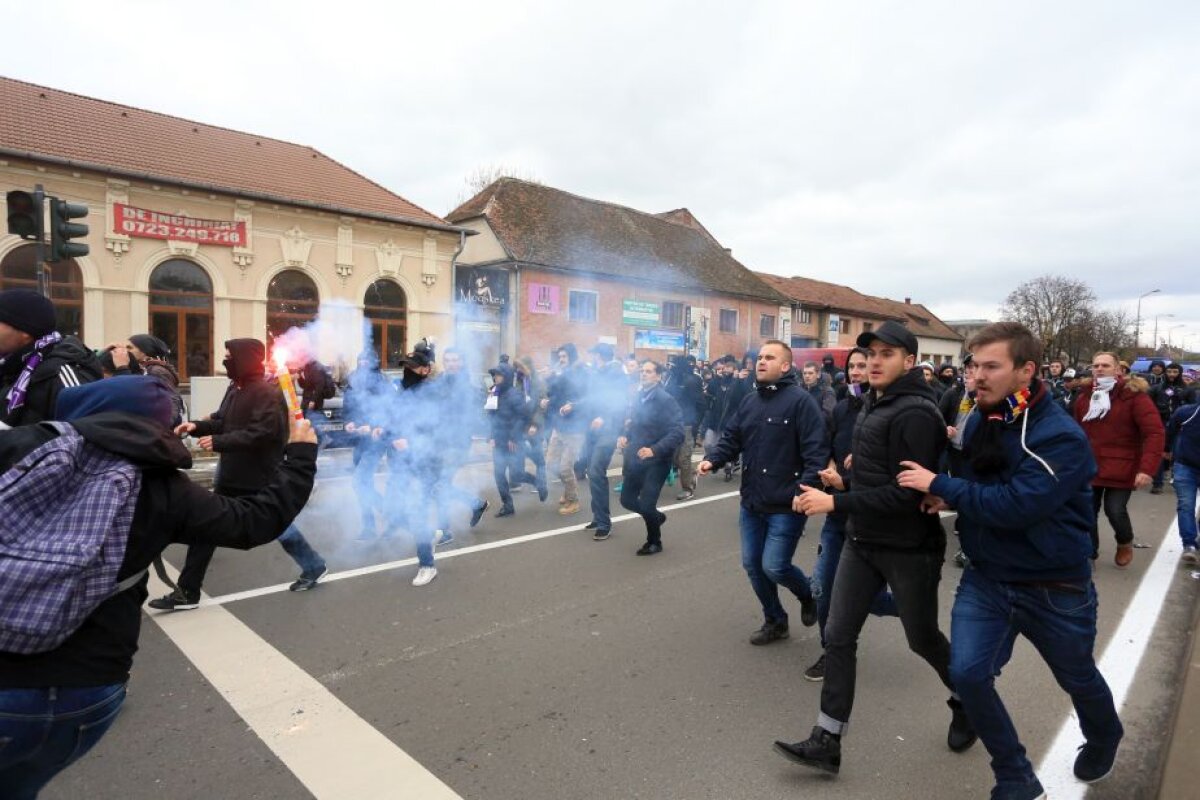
<point>292,302</point>
<point>181,311</point>
<point>386,311</point>
<point>19,271</point>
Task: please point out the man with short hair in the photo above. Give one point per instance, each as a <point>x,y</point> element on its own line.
<point>608,400</point>
<point>820,392</point>
<point>36,361</point>
<point>891,541</point>
<point>780,433</point>
<point>652,434</point>
<point>1023,504</point>
<point>567,421</point>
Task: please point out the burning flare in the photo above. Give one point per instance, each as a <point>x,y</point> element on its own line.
<point>281,356</point>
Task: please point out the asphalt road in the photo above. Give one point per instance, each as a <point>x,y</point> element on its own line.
<point>558,667</point>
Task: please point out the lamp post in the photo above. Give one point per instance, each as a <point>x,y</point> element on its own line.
<point>1173,327</point>
<point>1154,344</point>
<point>1137,326</point>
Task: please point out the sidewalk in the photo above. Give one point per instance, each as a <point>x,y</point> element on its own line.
<point>1179,773</point>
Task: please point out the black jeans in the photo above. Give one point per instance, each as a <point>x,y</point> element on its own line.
<point>642,482</point>
<point>1116,508</point>
<point>861,573</point>
<point>508,468</point>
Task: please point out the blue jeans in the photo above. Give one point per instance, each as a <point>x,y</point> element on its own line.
<point>986,619</point>
<point>1185,501</point>
<point>43,731</point>
<point>366,461</point>
<point>833,539</point>
<point>508,468</point>
<point>296,546</point>
<point>597,474</point>
<point>768,544</point>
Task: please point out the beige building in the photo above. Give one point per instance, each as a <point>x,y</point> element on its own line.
<point>200,234</point>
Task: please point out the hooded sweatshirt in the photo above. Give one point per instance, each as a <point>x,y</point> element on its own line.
<point>170,508</point>
<point>66,363</point>
<point>250,428</point>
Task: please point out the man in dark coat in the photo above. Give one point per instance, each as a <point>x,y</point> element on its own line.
<point>891,541</point>
<point>250,432</point>
<point>684,385</point>
<point>79,686</point>
<point>652,435</point>
<point>608,405</point>
<point>1169,396</point>
<point>145,354</point>
<point>780,434</point>
<point>36,361</point>
<point>510,419</point>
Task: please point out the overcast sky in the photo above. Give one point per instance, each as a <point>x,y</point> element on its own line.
<point>941,150</point>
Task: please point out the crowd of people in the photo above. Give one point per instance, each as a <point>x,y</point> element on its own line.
<point>880,446</point>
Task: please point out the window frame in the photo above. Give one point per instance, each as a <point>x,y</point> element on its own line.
<point>721,327</point>
<point>595,306</point>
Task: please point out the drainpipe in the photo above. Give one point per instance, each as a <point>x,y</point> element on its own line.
<point>462,244</point>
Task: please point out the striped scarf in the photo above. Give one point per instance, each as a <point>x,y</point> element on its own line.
<point>1012,407</point>
<point>16,395</point>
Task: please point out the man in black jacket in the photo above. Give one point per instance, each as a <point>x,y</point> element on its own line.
<point>780,433</point>
<point>36,361</point>
<point>683,384</point>
<point>1169,396</point>
<point>510,419</point>
<point>891,541</point>
<point>80,685</point>
<point>609,404</point>
<point>652,435</point>
<point>250,432</point>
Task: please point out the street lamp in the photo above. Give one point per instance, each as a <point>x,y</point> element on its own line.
<point>1137,326</point>
<point>1154,344</point>
<point>1173,327</point>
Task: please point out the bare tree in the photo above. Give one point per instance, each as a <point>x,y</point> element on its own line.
<point>484,176</point>
<point>1051,307</point>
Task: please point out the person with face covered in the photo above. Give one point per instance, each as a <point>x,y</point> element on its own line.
<point>653,433</point>
<point>59,703</point>
<point>249,432</point>
<point>1169,396</point>
<point>1023,499</point>
<point>144,354</point>
<point>510,415</point>
<point>1127,438</point>
<point>36,361</point>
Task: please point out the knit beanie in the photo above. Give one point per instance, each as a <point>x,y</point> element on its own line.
<point>27,311</point>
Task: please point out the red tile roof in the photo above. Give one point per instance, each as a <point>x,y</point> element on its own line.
<point>46,124</point>
<point>542,226</point>
<point>821,294</point>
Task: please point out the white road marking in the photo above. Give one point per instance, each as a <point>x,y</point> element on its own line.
<point>334,752</point>
<point>462,551</point>
<point>1119,666</point>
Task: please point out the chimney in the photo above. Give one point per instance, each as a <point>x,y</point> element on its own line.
<point>908,301</point>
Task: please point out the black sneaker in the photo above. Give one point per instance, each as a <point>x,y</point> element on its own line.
<point>770,632</point>
<point>506,511</point>
<point>177,600</point>
<point>601,534</point>
<point>477,514</point>
<point>591,526</point>
<point>306,581</point>
<point>1094,763</point>
<point>961,560</point>
<point>686,494</point>
<point>808,612</point>
<point>961,735</point>
<point>650,548</point>
<point>816,673</point>
<point>821,751</point>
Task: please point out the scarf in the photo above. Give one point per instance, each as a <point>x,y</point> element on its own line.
<point>1101,402</point>
<point>986,449</point>
<point>16,395</point>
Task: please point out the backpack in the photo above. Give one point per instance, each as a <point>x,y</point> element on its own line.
<point>65,514</point>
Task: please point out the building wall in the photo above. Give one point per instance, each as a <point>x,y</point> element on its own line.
<point>939,350</point>
<point>343,256</point>
<point>816,330</point>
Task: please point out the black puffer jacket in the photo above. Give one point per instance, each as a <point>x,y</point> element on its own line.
<point>170,508</point>
<point>65,363</point>
<point>903,424</point>
<point>250,428</point>
<point>781,434</point>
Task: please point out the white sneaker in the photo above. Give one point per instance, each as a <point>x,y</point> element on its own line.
<point>1190,556</point>
<point>424,576</point>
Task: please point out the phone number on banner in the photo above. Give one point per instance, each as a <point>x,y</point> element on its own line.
<point>149,224</point>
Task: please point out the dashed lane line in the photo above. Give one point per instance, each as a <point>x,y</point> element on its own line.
<point>330,749</point>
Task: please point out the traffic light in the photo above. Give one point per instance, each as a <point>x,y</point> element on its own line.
<point>25,214</point>
<point>62,230</point>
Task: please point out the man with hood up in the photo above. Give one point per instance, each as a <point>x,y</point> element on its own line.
<point>510,420</point>
<point>1169,396</point>
<point>779,431</point>
<point>891,541</point>
<point>70,696</point>
<point>249,431</point>
<point>36,361</point>
<point>530,383</point>
<point>1157,374</point>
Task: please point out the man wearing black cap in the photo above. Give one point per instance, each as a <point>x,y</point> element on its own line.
<point>891,541</point>
<point>147,354</point>
<point>36,361</point>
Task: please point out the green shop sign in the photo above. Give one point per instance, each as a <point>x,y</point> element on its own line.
<point>637,312</point>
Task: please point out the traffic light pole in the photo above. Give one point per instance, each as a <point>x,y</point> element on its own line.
<point>43,274</point>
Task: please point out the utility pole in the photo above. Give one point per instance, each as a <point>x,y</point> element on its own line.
<point>1137,326</point>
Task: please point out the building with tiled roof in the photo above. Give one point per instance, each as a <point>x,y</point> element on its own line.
<point>200,233</point>
<point>584,270</point>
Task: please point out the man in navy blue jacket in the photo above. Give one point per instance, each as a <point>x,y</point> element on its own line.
<point>780,432</point>
<point>1183,448</point>
<point>1024,505</point>
<point>654,431</point>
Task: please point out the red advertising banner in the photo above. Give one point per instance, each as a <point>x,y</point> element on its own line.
<point>147,224</point>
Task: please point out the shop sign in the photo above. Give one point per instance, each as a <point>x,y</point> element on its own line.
<point>835,327</point>
<point>484,287</point>
<point>658,340</point>
<point>543,298</point>
<point>637,312</point>
<point>146,224</point>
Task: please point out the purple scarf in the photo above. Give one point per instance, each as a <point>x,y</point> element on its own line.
<point>16,396</point>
